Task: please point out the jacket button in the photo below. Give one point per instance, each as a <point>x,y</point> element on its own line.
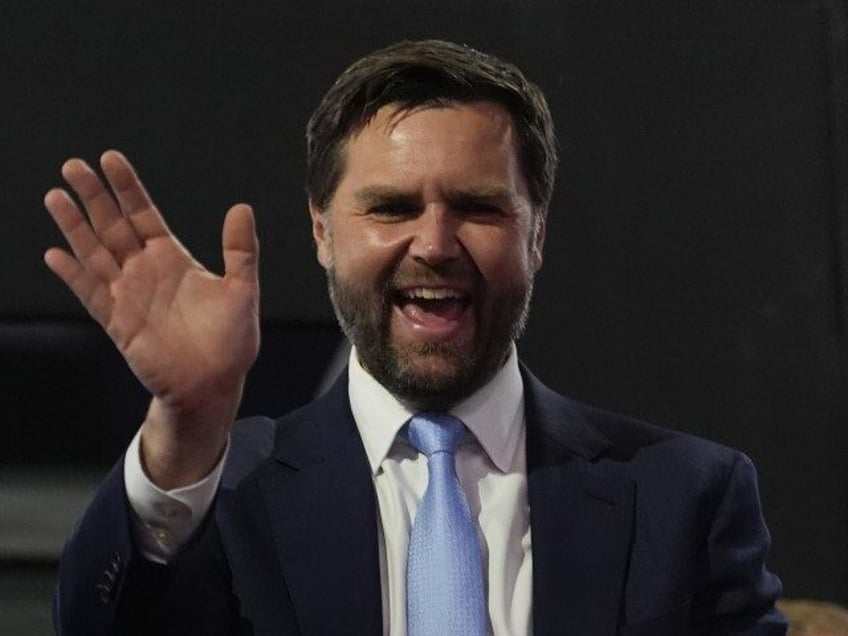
<point>104,593</point>
<point>105,589</point>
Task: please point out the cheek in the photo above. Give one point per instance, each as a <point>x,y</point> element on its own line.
<point>502,257</point>
<point>367,256</point>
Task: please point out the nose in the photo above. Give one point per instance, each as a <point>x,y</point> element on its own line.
<point>436,238</point>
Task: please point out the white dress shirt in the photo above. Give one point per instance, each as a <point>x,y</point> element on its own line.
<point>491,466</point>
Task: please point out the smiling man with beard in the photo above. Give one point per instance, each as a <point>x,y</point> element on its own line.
<point>438,488</point>
<point>431,242</point>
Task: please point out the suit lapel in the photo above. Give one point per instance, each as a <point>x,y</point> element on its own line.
<point>322,508</point>
<point>581,519</point>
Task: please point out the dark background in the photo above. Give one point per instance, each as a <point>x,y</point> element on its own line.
<point>695,268</point>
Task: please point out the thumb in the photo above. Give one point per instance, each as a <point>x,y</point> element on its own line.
<point>241,246</point>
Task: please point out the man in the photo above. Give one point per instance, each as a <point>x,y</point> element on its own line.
<point>430,170</point>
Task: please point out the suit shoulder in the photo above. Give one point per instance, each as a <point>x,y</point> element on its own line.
<point>629,430</point>
<point>255,440</point>
<point>620,439</point>
<point>639,443</point>
<point>251,443</point>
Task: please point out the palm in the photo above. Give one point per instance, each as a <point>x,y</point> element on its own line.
<point>181,326</point>
<point>187,334</point>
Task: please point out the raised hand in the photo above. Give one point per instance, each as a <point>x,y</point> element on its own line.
<point>189,336</point>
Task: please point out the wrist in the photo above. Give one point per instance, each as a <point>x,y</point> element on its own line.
<point>181,448</point>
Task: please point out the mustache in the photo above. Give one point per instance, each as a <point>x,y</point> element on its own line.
<point>433,275</point>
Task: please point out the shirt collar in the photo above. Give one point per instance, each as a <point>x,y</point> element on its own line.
<point>494,413</point>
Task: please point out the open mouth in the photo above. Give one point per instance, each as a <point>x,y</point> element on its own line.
<point>433,307</point>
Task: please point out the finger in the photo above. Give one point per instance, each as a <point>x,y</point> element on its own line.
<point>91,291</point>
<point>84,243</point>
<point>110,225</point>
<point>132,196</point>
<point>241,246</point>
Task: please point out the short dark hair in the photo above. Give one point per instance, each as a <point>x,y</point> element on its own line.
<point>423,74</point>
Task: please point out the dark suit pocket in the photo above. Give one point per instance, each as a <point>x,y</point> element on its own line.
<point>676,622</point>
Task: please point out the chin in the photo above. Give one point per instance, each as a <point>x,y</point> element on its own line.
<point>433,362</point>
<point>430,375</point>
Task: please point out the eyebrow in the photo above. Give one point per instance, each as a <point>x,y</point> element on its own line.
<point>376,194</point>
<point>489,192</point>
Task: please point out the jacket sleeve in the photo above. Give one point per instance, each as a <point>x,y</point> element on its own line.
<point>106,587</point>
<point>737,593</point>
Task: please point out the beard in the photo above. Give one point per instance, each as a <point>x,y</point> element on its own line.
<point>430,375</point>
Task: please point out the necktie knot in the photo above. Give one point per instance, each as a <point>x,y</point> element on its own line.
<point>435,432</point>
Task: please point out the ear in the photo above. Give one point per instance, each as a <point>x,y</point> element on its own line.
<point>321,234</point>
<point>537,242</point>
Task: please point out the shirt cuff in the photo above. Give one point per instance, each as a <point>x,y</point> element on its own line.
<point>164,520</point>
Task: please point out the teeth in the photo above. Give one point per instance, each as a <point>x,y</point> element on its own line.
<point>429,293</point>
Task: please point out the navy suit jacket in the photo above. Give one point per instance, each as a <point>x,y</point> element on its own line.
<point>635,529</point>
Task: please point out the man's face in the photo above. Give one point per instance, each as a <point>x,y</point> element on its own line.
<point>430,245</point>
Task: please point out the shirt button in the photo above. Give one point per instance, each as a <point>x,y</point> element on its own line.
<point>163,537</point>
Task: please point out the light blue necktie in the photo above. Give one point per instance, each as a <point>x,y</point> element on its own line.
<point>444,572</point>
